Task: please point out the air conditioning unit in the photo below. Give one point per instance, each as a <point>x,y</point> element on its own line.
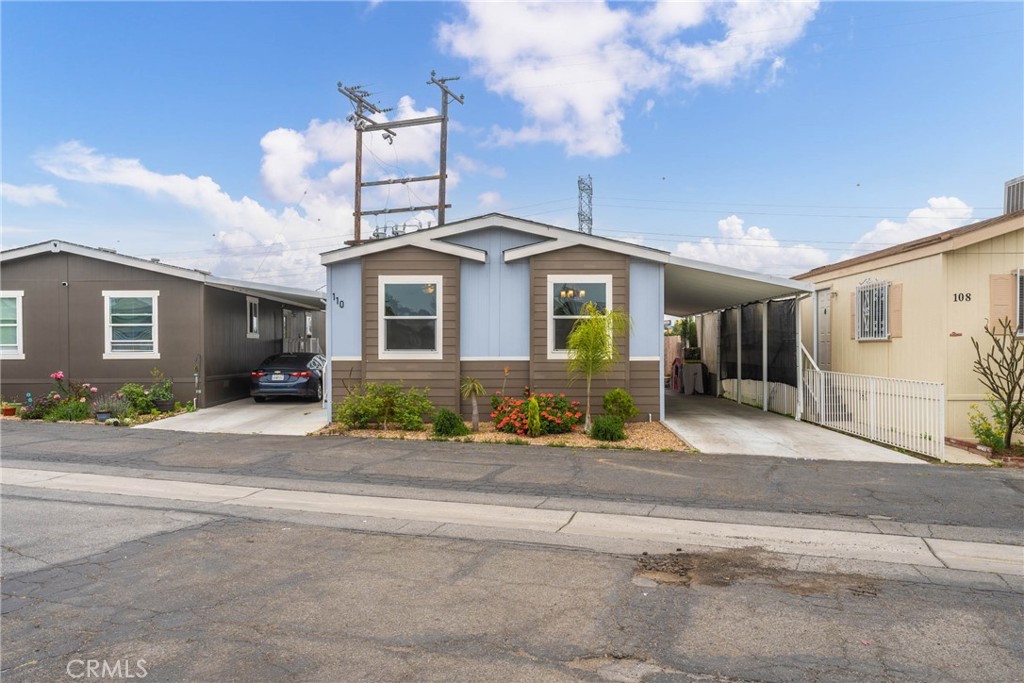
<point>1014,197</point>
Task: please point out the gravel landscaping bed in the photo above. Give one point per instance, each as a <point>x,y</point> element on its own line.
<point>648,436</point>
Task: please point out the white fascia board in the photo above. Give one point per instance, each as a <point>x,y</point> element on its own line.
<point>425,239</point>
<point>58,246</point>
<point>573,238</point>
<point>783,282</point>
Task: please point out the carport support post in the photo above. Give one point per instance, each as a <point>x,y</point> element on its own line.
<point>739,354</point>
<point>799,363</point>
<point>764,356</point>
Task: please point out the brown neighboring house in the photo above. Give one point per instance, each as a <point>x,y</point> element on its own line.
<point>106,318</point>
<point>477,296</point>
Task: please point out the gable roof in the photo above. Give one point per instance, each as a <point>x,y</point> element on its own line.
<point>301,298</point>
<point>690,286</point>
<point>926,246</point>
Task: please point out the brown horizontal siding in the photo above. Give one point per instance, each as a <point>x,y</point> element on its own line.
<point>345,377</point>
<point>645,385</point>
<point>441,377</point>
<point>551,375</point>
<point>491,374</point>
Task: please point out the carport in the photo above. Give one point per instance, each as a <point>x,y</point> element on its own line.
<point>694,288</point>
<point>283,417</point>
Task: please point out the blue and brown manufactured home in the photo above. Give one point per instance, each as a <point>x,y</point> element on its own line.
<point>477,296</point>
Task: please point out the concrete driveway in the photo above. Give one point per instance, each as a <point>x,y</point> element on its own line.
<point>715,425</point>
<point>284,417</point>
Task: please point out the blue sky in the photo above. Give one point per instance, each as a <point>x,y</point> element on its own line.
<point>770,136</point>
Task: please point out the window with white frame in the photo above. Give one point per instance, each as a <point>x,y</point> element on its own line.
<point>131,324</point>
<point>252,317</point>
<point>11,325</point>
<point>567,297</point>
<point>410,316</point>
<point>872,310</point>
<point>1020,302</point>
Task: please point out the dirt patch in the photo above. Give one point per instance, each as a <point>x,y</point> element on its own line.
<point>646,436</point>
<point>726,567</point>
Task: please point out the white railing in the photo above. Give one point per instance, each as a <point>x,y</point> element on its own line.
<point>904,413</point>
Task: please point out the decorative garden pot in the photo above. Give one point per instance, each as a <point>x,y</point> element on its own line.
<point>10,410</point>
<point>102,415</point>
<point>164,405</point>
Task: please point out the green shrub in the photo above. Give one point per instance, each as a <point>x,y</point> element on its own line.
<point>991,433</point>
<point>608,428</point>
<point>448,424</point>
<point>619,403</point>
<point>533,417</point>
<point>138,397</point>
<point>384,404</point>
<point>72,411</point>
<point>37,410</point>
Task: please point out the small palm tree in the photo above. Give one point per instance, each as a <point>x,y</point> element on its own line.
<point>471,388</point>
<point>593,346</point>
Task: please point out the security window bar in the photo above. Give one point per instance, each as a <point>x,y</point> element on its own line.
<point>872,310</point>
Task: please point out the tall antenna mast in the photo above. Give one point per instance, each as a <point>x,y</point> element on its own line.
<point>586,212</point>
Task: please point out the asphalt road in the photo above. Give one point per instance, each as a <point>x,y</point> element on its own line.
<point>194,597</point>
<point>934,494</point>
<point>189,593</point>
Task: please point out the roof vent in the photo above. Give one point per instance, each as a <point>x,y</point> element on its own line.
<point>1014,196</point>
<point>155,260</point>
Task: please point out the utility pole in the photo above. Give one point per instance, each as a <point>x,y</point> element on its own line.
<point>362,121</point>
<point>586,211</point>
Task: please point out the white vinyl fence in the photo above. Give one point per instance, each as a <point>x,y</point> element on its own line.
<point>904,413</point>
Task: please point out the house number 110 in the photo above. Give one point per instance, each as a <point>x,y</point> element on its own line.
<point>962,296</point>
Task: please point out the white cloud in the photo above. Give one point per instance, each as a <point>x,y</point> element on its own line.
<point>30,195</point>
<point>941,214</point>
<point>754,249</point>
<point>253,242</point>
<point>489,200</point>
<point>573,67</point>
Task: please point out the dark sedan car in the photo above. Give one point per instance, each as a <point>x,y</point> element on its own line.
<point>289,374</point>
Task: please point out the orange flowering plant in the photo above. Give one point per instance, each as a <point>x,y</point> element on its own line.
<point>558,414</point>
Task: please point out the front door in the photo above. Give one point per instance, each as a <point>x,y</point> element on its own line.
<point>824,340</point>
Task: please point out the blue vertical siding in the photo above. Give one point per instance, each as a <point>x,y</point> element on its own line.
<point>495,297</point>
<point>345,309</point>
<point>646,308</point>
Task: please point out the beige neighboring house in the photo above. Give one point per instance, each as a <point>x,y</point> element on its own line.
<point>910,311</point>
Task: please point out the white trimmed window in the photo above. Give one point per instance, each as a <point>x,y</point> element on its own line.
<point>871,306</point>
<point>567,295</point>
<point>130,326</point>
<point>252,317</point>
<point>410,316</point>
<point>11,325</point>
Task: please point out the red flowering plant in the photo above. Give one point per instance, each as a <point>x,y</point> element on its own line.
<point>558,414</point>
<point>68,391</point>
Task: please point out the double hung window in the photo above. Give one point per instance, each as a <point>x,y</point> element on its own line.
<point>410,321</point>
<point>131,324</point>
<point>568,296</point>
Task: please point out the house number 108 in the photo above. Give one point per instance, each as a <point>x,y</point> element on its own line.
<point>962,296</point>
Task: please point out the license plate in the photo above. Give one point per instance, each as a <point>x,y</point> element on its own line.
<point>277,377</point>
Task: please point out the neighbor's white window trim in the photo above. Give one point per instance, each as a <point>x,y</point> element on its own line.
<point>605,279</point>
<point>252,325</point>
<point>154,294</point>
<point>19,324</point>
<point>1020,301</point>
<point>382,350</point>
